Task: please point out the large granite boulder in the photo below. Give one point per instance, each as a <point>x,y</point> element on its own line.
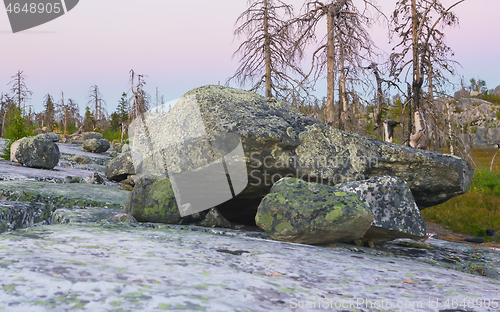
<point>96,145</point>
<point>118,147</point>
<point>310,213</point>
<point>152,200</point>
<point>120,167</point>
<point>395,213</point>
<point>37,152</point>
<point>13,149</point>
<point>279,141</point>
<point>91,135</point>
<point>54,137</point>
<point>497,91</point>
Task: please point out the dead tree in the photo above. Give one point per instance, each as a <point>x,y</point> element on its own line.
<point>420,45</point>
<point>19,89</point>
<point>96,101</point>
<point>266,56</point>
<point>346,34</point>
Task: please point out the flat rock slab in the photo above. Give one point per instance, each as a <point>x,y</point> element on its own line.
<point>10,172</point>
<point>76,149</point>
<point>63,195</point>
<point>112,267</point>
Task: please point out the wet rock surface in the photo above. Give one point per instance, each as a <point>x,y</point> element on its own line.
<point>396,214</point>
<point>111,265</point>
<point>311,213</point>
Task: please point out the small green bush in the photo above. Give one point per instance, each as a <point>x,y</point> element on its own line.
<point>15,129</point>
<point>114,135</point>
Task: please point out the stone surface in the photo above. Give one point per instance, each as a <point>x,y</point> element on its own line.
<point>80,159</point>
<point>91,135</point>
<point>83,215</point>
<point>152,200</point>
<point>54,137</point>
<point>279,141</point>
<point>63,195</point>
<point>213,218</point>
<point>497,91</point>
<point>95,178</point>
<point>96,145</point>
<point>461,94</point>
<point>395,213</point>
<point>15,215</point>
<point>118,147</point>
<point>13,149</point>
<point>311,213</point>
<point>37,152</point>
<point>113,267</point>
<point>120,167</point>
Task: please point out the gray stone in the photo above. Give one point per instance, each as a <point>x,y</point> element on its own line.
<point>497,91</point>
<point>54,137</point>
<point>96,145</point>
<point>37,152</point>
<point>214,219</point>
<point>95,178</point>
<point>279,141</point>
<point>15,215</point>
<point>82,215</point>
<point>109,267</point>
<point>80,159</point>
<point>125,148</point>
<point>392,204</point>
<point>120,167</point>
<point>152,200</point>
<point>118,147</point>
<point>123,217</point>
<point>91,135</point>
<point>461,94</point>
<point>310,213</point>
<point>13,149</point>
<point>60,195</point>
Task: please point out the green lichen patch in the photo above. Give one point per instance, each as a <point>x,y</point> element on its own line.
<point>303,212</point>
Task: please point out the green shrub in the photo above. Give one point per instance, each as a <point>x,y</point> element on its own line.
<point>15,129</point>
<point>113,135</point>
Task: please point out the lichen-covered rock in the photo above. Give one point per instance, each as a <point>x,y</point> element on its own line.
<point>125,148</point>
<point>213,218</point>
<point>91,135</point>
<point>153,200</point>
<point>392,204</point>
<point>96,145</point>
<point>123,217</point>
<point>118,147</point>
<point>82,215</point>
<point>54,137</point>
<point>37,152</point>
<point>59,195</point>
<point>13,149</point>
<point>279,141</point>
<point>80,159</point>
<point>120,167</point>
<point>311,213</point>
<point>95,178</point>
<point>15,215</point>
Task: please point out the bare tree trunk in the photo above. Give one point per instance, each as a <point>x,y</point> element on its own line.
<point>450,130</point>
<point>330,63</point>
<point>380,98</point>
<point>267,49</point>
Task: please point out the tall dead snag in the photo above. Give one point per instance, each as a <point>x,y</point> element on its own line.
<point>96,102</point>
<point>140,98</point>
<point>345,47</point>
<point>68,112</point>
<point>266,56</point>
<point>421,44</point>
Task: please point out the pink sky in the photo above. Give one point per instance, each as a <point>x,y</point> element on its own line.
<point>181,45</point>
